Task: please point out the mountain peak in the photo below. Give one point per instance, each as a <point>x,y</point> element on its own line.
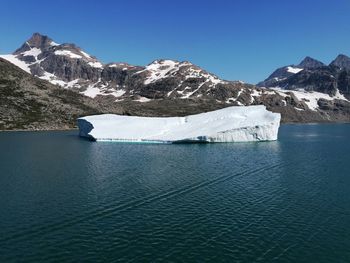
<point>342,56</point>
<point>341,61</point>
<point>40,41</point>
<point>37,36</point>
<point>37,40</point>
<point>310,63</point>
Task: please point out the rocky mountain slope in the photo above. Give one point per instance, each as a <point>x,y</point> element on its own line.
<point>303,93</point>
<point>70,67</point>
<point>312,75</point>
<point>27,102</point>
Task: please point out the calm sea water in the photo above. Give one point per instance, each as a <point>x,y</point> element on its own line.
<point>66,199</point>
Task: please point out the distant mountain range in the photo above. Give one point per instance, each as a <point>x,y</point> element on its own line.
<point>313,75</point>
<point>307,92</point>
<point>70,67</point>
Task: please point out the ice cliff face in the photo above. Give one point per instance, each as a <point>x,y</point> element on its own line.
<point>232,124</point>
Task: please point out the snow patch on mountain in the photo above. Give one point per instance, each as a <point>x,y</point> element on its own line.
<point>234,99</point>
<point>159,70</point>
<point>294,70</point>
<point>96,64</point>
<point>100,89</point>
<point>17,62</point>
<point>67,53</point>
<point>143,99</point>
<point>35,52</point>
<point>53,79</point>
<point>85,54</point>
<point>310,98</point>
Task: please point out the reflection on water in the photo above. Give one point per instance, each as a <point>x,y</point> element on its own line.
<point>68,199</point>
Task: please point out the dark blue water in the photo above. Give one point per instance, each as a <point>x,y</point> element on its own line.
<point>66,199</point>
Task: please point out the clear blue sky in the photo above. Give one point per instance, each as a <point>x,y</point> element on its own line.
<point>235,39</point>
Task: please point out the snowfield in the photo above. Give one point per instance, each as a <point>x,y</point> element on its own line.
<point>294,70</point>
<point>17,62</point>
<point>310,98</point>
<point>232,124</point>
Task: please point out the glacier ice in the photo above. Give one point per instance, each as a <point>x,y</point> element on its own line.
<point>232,124</point>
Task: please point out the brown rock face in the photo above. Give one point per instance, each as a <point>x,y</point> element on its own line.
<point>38,41</point>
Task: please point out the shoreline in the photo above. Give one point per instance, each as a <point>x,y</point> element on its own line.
<point>38,130</point>
<point>77,129</point>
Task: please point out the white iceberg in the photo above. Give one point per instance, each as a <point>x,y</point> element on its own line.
<point>232,124</point>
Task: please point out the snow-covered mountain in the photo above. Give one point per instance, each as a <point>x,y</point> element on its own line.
<point>313,76</point>
<point>308,91</point>
<point>69,66</point>
<point>65,65</point>
<point>283,73</point>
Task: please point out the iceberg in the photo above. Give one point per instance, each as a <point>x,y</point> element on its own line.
<point>231,124</point>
